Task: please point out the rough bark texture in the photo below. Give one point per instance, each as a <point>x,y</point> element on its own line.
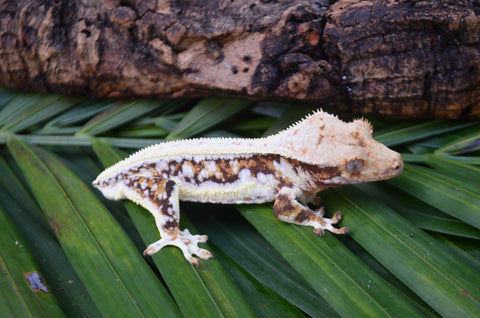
<point>402,58</point>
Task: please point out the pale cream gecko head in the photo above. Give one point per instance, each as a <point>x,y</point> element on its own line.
<point>324,140</point>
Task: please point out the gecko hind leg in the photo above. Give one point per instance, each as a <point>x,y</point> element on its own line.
<point>161,198</point>
<point>288,209</point>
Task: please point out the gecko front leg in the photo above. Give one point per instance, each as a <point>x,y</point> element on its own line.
<point>161,198</point>
<point>287,208</point>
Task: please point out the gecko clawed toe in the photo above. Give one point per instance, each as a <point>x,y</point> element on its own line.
<point>288,168</point>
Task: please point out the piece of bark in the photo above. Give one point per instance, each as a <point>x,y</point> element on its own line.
<point>401,58</point>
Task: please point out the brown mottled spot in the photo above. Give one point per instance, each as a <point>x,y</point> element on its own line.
<point>134,170</point>
<point>151,165</point>
<point>175,167</point>
<point>169,187</point>
<point>262,164</point>
<point>283,206</point>
<point>319,139</point>
<point>318,174</point>
<point>170,225</point>
<point>302,216</point>
<point>165,207</point>
<point>155,199</point>
<point>226,170</point>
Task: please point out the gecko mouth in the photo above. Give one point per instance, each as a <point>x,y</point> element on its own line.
<point>393,172</point>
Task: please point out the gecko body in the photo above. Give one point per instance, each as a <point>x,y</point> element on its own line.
<point>288,168</point>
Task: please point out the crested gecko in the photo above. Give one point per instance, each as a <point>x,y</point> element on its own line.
<point>289,168</point>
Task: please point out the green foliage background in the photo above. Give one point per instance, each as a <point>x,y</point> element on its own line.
<point>413,249</point>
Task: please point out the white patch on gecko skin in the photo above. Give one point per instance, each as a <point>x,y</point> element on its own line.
<point>262,178</point>
<point>244,174</point>
<point>210,166</point>
<point>187,170</point>
<point>161,165</point>
<point>162,195</point>
<point>235,166</point>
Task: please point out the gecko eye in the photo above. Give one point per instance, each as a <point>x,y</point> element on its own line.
<point>354,166</point>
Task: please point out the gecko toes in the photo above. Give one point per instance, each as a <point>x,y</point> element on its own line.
<point>201,238</point>
<point>336,217</point>
<point>342,230</point>
<point>320,211</point>
<point>194,261</point>
<point>150,250</point>
<point>203,254</point>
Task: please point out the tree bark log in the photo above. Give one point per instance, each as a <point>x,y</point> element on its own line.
<point>400,58</point>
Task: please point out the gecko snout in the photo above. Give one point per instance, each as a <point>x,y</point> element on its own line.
<point>396,166</point>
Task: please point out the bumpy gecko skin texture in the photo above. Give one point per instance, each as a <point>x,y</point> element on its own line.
<point>289,168</point>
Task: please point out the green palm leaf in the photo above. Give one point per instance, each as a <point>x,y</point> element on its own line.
<point>412,251</point>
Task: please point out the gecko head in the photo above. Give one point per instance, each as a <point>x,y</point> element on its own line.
<point>367,159</point>
<point>108,189</point>
<point>362,159</point>
<point>348,149</point>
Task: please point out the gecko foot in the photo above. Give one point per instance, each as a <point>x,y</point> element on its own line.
<point>327,224</point>
<point>184,241</point>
